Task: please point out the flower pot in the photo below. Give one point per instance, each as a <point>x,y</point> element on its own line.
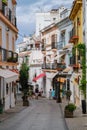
<point>26,103</point>
<point>68,114</point>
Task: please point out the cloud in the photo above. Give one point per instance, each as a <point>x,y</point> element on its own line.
<point>26,11</point>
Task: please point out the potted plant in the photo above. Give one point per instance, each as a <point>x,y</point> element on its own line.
<point>69,109</point>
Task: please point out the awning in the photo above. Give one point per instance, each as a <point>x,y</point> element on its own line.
<point>59,56</point>
<point>15,70</point>
<point>22,54</point>
<point>66,70</point>
<point>52,75</point>
<point>68,46</point>
<point>39,76</point>
<point>8,75</point>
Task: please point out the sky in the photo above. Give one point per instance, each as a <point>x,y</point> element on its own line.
<point>26,10</point>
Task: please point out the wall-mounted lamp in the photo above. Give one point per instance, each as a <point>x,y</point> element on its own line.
<point>7,28</point>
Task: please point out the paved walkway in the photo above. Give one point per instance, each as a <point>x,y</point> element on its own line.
<point>11,112</point>
<point>78,122</point>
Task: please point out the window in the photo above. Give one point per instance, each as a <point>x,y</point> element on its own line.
<point>54,19</point>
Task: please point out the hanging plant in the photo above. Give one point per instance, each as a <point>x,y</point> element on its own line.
<point>74,50</point>
<point>82,51</point>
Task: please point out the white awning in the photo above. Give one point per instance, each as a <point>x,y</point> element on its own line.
<point>8,75</point>
<point>66,70</point>
<point>52,75</point>
<point>59,56</point>
<point>68,46</point>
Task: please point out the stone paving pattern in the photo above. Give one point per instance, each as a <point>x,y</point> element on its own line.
<point>78,122</point>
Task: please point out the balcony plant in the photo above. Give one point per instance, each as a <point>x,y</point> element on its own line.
<point>14,59</point>
<point>69,109</point>
<point>9,59</point>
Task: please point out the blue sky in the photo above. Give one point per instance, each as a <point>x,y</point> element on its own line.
<point>26,10</point>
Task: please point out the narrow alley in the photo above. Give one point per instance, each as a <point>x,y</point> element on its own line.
<point>42,114</point>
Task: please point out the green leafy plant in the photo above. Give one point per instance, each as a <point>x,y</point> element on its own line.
<point>70,107</point>
<point>9,59</point>
<point>82,51</point>
<point>23,79</point>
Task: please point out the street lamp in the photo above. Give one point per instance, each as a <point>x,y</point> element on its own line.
<point>58,100</point>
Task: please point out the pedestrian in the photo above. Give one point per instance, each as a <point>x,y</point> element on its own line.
<point>53,94</point>
<point>30,94</point>
<point>41,92</point>
<point>36,92</point>
<point>50,94</point>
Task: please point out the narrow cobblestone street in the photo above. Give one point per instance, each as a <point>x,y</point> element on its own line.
<point>42,114</point>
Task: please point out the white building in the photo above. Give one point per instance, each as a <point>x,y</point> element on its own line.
<point>8,56</point>
<point>30,51</point>
<point>65,51</point>
<point>44,19</point>
<point>55,40</point>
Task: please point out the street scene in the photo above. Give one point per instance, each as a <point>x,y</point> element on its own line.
<point>43,59</point>
<point>39,116</point>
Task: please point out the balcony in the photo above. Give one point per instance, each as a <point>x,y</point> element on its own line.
<point>7,13</point>
<point>60,44</point>
<point>74,62</point>
<point>8,56</point>
<point>54,45</point>
<point>73,36</point>
<point>53,66</point>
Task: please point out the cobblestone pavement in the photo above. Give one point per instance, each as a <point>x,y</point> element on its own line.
<point>42,114</point>
<point>11,112</point>
<point>78,122</point>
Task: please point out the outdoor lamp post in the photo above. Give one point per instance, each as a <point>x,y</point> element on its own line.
<point>58,91</point>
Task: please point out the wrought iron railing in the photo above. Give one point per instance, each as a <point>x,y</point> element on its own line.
<point>8,56</point>
<point>54,66</point>
<point>60,44</point>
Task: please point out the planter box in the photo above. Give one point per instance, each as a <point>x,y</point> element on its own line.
<point>68,114</point>
<point>26,103</point>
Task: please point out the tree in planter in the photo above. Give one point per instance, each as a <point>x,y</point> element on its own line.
<point>23,79</point>
<point>69,109</point>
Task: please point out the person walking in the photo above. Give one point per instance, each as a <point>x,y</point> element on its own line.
<point>36,92</point>
<point>50,94</point>
<point>53,94</point>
